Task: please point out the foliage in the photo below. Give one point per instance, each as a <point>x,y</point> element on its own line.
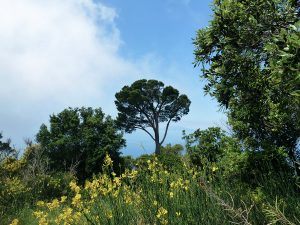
<point>251,49</point>
<point>212,150</point>
<point>127,162</point>
<point>154,195</point>
<point>171,157</point>
<point>284,59</point>
<point>24,181</point>
<point>79,139</point>
<point>284,68</point>
<point>172,150</point>
<point>6,150</point>
<point>146,103</point>
<point>205,146</point>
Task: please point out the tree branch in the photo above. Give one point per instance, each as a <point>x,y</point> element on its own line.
<point>142,128</point>
<point>166,131</point>
<point>161,105</point>
<point>147,116</point>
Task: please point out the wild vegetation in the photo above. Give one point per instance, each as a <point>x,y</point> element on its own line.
<point>75,173</point>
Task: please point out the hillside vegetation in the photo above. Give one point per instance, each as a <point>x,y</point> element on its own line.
<point>75,174</point>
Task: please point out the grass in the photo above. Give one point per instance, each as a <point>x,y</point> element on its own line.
<point>153,195</point>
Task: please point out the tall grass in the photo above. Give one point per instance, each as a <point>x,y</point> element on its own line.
<point>151,194</point>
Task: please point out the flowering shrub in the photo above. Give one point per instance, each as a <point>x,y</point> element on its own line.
<point>22,183</point>
<point>152,194</point>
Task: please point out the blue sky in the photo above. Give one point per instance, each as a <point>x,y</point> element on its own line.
<point>59,53</point>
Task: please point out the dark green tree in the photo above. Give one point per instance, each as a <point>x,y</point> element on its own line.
<point>250,56</point>
<point>146,104</point>
<point>80,138</point>
<point>205,146</point>
<point>284,59</point>
<point>6,150</point>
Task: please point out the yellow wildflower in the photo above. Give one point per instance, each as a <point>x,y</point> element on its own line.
<point>40,203</point>
<point>76,201</point>
<point>63,199</point>
<point>74,187</point>
<point>109,214</point>
<point>43,221</point>
<point>164,221</point>
<point>66,217</point>
<point>38,214</point>
<point>107,160</point>
<point>15,222</point>
<point>161,212</point>
<point>128,199</point>
<point>41,216</point>
<point>214,168</point>
<point>117,181</point>
<point>54,204</point>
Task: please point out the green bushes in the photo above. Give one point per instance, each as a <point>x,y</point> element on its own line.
<point>230,184</point>
<point>152,194</point>
<point>170,158</point>
<point>212,150</point>
<point>26,180</point>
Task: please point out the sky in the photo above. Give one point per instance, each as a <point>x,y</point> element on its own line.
<point>73,53</point>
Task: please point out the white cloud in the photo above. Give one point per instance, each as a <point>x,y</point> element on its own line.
<point>49,48</point>
<point>60,53</point>
<point>55,54</point>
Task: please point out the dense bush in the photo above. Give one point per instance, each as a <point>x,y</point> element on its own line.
<point>213,150</point>
<point>24,181</point>
<point>78,139</point>
<point>205,146</point>
<point>170,158</point>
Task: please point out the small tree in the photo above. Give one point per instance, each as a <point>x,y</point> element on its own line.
<point>146,103</point>
<point>6,150</point>
<point>80,138</point>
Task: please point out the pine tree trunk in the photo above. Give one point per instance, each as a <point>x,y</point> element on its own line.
<point>157,144</point>
<point>157,147</point>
